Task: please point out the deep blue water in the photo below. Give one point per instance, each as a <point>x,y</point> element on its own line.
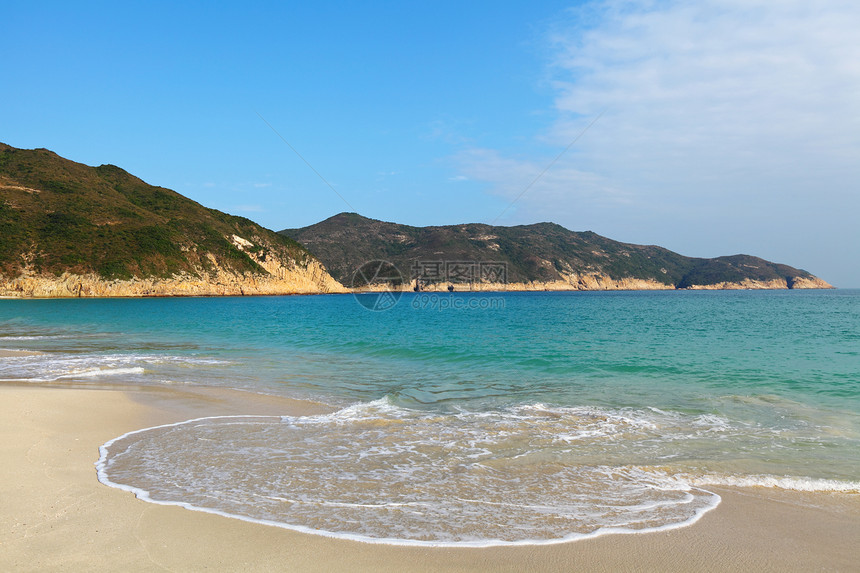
<point>662,349</point>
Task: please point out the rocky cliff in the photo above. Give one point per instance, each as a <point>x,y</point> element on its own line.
<point>311,278</point>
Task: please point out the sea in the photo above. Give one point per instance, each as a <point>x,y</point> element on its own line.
<point>470,419</point>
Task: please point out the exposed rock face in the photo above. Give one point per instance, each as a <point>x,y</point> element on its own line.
<point>312,279</point>
<point>575,282</point>
<point>607,283</point>
<point>808,283</point>
<point>748,284</point>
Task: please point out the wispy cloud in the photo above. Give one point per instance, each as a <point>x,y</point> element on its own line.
<point>717,85</point>
<point>752,101</point>
<point>562,185</point>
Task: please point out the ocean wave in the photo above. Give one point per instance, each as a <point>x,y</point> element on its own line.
<point>53,367</point>
<point>375,483</point>
<point>379,472</point>
<point>102,372</point>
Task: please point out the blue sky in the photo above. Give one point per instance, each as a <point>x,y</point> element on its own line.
<point>724,126</point>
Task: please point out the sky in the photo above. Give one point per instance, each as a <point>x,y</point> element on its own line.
<point>710,128</point>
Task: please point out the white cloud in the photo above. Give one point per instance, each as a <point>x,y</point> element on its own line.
<point>725,112</point>
<point>716,86</point>
<point>518,178</point>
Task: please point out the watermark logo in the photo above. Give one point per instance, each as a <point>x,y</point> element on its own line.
<point>377,285</point>
<point>463,272</point>
<point>443,302</point>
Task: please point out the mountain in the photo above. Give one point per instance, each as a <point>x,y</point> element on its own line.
<point>539,256</point>
<point>68,229</point>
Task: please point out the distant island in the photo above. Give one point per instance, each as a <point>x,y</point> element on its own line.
<point>71,230</point>
<point>543,256</point>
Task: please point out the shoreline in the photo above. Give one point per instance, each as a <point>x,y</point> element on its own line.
<point>55,514</point>
<point>494,289</point>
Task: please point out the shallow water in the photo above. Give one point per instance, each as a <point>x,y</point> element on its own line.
<point>473,418</point>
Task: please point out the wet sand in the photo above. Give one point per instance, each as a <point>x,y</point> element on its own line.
<point>55,515</point>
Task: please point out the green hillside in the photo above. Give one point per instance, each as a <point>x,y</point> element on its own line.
<point>60,216</point>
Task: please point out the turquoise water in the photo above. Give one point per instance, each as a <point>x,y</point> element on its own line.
<point>473,418</point>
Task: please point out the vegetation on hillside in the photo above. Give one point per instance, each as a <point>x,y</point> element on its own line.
<point>60,216</point>
<point>543,252</point>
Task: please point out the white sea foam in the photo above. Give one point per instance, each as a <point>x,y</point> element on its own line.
<point>449,479</point>
<point>413,508</point>
<point>778,482</point>
<point>39,337</point>
<point>381,473</point>
<point>53,367</point>
<point>102,372</point>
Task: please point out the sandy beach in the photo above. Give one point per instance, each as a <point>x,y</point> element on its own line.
<point>55,515</point>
